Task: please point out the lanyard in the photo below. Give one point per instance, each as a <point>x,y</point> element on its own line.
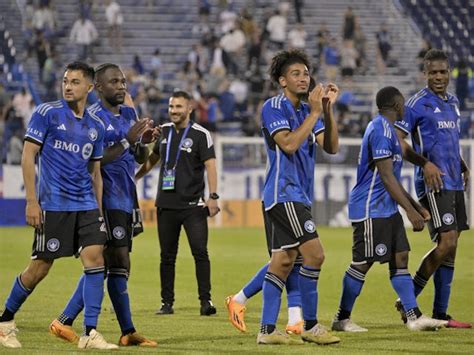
<point>168,146</point>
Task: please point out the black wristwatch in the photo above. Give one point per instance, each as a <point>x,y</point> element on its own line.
<point>213,196</point>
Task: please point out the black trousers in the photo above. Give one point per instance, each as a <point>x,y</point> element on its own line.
<point>194,221</point>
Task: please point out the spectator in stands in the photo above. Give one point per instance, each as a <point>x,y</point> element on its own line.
<point>330,59</point>
<point>43,20</point>
<point>384,47</point>
<point>218,56</point>
<point>348,56</point>
<point>277,31</point>
<point>462,73</point>
<point>297,37</point>
<point>233,44</point>
<point>254,52</point>
<point>50,77</point>
<point>83,35</point>
<point>22,104</point>
<point>138,65</point>
<point>348,29</point>
<point>426,46</point>
<point>114,17</point>
<point>360,44</point>
<point>214,80</point>
<point>298,4</point>
<point>239,88</point>
<point>322,38</point>
<point>343,108</point>
<point>42,49</point>
<point>227,19</point>
<point>248,24</point>
<point>204,9</point>
<point>156,64</point>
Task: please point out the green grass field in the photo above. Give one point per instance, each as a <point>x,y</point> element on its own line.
<point>235,256</point>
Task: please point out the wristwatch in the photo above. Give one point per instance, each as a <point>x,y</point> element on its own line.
<point>213,196</point>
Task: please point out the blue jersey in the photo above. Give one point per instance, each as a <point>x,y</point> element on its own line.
<point>434,127</point>
<point>289,177</point>
<point>67,144</point>
<point>118,175</point>
<point>369,198</point>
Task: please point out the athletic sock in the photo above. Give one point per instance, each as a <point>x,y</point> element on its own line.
<point>403,285</point>
<point>93,295</point>
<point>118,293</point>
<point>443,277</point>
<point>255,285</point>
<point>419,282</point>
<point>293,295</point>
<point>18,295</point>
<point>308,283</point>
<point>272,289</point>
<point>75,304</point>
<point>352,284</point>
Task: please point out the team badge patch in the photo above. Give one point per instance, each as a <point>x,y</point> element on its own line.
<point>53,245</point>
<point>87,151</point>
<point>92,134</point>
<point>448,219</point>
<point>381,249</point>
<point>309,226</point>
<point>119,232</point>
<point>187,144</point>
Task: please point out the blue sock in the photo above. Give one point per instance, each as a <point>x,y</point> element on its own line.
<point>75,304</point>
<point>352,284</point>
<point>419,283</point>
<point>18,294</point>
<point>403,285</point>
<point>93,295</point>
<point>292,287</point>
<point>118,293</point>
<point>255,285</point>
<point>272,288</point>
<point>442,280</point>
<point>308,283</point>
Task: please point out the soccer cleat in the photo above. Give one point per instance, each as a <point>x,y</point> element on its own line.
<point>65,332</point>
<point>8,332</point>
<point>166,308</point>
<point>401,310</point>
<point>95,340</point>
<point>277,338</point>
<point>294,328</point>
<point>425,323</point>
<point>319,335</point>
<point>207,308</point>
<point>236,313</point>
<point>137,339</point>
<point>452,323</point>
<point>347,325</point>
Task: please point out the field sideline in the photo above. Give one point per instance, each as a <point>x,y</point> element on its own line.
<point>236,254</point>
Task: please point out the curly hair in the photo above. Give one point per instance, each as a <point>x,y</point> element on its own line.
<point>435,54</point>
<point>282,60</point>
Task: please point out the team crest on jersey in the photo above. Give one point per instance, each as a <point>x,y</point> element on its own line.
<point>187,144</point>
<point>53,245</point>
<point>92,134</point>
<point>309,226</point>
<point>448,219</point>
<point>87,151</point>
<point>381,249</point>
<point>119,232</point>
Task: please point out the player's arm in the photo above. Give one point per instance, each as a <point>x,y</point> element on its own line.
<point>465,173</point>
<point>211,170</point>
<point>152,160</point>
<point>290,141</point>
<point>329,139</point>
<point>97,184</point>
<point>431,173</point>
<point>33,209</point>
<point>397,192</point>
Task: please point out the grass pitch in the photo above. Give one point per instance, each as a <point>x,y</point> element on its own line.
<point>236,254</point>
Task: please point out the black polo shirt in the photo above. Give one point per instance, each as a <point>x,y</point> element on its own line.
<point>189,176</point>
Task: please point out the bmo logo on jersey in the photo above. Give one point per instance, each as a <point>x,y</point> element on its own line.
<point>446,125</point>
<point>68,147</point>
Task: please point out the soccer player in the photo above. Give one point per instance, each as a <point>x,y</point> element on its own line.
<point>66,214</point>
<point>379,234</point>
<point>432,119</point>
<point>122,148</point>
<point>291,128</point>
<point>188,151</point>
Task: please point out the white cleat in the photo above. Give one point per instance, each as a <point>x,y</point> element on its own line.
<point>425,323</point>
<point>95,340</point>
<point>346,325</point>
<point>8,332</point>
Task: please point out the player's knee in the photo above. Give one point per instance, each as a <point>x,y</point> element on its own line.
<point>448,244</point>
<point>168,258</point>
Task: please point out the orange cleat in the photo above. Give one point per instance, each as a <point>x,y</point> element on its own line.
<point>137,339</point>
<point>65,332</point>
<point>236,313</point>
<point>295,328</point>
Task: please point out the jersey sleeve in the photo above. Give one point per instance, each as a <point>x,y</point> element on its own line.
<point>98,149</point>
<point>408,122</point>
<point>206,147</point>
<point>380,144</point>
<point>273,119</point>
<point>37,127</point>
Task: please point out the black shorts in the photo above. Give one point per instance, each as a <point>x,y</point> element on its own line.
<point>448,212</point>
<point>287,225</point>
<point>67,233</point>
<point>119,228</point>
<point>378,239</point>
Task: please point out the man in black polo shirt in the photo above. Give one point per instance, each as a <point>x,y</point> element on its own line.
<point>180,199</point>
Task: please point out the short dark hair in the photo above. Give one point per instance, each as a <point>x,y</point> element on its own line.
<point>282,60</point>
<point>85,68</point>
<point>434,54</point>
<point>181,93</point>
<point>385,98</point>
<point>100,69</point>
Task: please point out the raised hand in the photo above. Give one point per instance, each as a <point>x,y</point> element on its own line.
<point>136,131</point>
<point>315,98</point>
